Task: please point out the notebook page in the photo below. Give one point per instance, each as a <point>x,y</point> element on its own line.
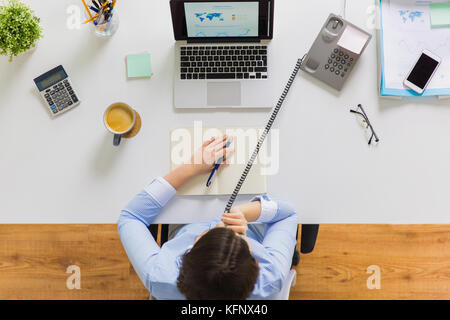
<point>227,177</point>
<point>183,142</point>
<point>245,143</point>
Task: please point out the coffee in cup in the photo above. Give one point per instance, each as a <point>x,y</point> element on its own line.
<point>119,119</point>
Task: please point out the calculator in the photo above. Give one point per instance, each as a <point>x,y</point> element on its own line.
<point>57,91</point>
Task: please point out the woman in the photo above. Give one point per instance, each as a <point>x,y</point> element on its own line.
<point>221,259</point>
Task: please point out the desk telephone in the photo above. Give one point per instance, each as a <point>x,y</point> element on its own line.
<point>335,51</point>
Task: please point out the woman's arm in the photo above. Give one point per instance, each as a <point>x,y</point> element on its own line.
<point>180,175</point>
<point>139,244</point>
<point>251,210</point>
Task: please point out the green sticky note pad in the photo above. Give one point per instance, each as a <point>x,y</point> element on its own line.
<point>440,14</point>
<point>139,66</point>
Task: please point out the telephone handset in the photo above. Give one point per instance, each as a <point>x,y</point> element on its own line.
<point>335,51</point>
<point>332,29</point>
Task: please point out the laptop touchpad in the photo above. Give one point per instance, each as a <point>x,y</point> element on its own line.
<point>224,94</point>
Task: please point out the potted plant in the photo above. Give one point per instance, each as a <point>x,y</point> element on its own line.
<point>19,28</point>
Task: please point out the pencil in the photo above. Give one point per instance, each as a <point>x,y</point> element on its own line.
<point>87,9</point>
<point>91,18</point>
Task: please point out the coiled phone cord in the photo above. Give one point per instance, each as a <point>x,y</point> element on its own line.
<point>263,135</point>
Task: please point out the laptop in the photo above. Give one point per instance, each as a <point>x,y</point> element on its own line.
<point>222,53</point>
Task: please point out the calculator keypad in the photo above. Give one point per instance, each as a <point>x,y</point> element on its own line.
<point>60,96</point>
<point>339,62</point>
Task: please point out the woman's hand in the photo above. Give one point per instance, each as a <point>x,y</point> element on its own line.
<point>205,158</point>
<point>203,161</point>
<point>235,220</point>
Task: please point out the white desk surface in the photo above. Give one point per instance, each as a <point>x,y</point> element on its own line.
<point>65,170</point>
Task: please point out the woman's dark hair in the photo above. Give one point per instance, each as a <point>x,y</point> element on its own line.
<point>218,267</point>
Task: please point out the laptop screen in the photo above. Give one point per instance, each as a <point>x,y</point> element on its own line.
<point>222,19</point>
<point>217,20</point>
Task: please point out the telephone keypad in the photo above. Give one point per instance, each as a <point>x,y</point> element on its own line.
<point>339,59</point>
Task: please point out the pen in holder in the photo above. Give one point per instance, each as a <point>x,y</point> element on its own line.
<point>102,16</point>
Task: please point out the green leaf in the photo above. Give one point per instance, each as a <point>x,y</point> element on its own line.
<point>19,28</point>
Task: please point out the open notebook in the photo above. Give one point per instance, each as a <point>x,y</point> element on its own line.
<point>184,142</point>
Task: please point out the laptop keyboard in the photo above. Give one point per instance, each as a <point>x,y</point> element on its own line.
<point>223,62</point>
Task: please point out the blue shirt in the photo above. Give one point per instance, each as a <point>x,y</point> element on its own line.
<point>158,268</point>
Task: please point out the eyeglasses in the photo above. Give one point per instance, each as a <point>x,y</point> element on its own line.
<point>366,122</point>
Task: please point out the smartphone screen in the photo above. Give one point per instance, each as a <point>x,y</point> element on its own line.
<point>422,71</point>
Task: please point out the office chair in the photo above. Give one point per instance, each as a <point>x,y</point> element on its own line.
<point>307,242</point>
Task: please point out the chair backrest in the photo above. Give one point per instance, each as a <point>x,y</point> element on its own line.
<point>284,293</point>
<point>287,284</point>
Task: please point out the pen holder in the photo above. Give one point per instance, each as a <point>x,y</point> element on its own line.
<point>102,16</point>
<point>106,29</point>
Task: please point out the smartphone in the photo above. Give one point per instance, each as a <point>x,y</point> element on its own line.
<point>422,72</point>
